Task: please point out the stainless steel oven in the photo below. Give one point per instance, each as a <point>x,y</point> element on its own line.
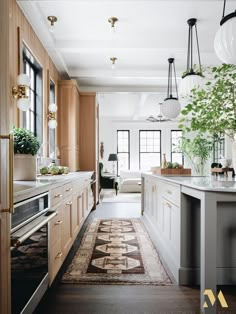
<point>29,252</point>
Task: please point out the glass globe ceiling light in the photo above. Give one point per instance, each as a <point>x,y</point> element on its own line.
<point>113,62</point>
<point>225,38</point>
<point>52,19</point>
<point>171,107</point>
<point>191,78</point>
<point>112,20</point>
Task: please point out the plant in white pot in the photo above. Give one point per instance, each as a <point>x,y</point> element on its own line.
<point>26,146</point>
<point>212,110</point>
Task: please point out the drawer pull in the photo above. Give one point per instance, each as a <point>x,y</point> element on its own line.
<point>169,191</point>
<point>58,195</point>
<point>59,222</point>
<point>59,255</point>
<point>69,189</point>
<point>69,203</point>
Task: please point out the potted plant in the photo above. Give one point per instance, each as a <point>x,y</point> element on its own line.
<point>197,150</point>
<point>26,146</point>
<point>212,109</point>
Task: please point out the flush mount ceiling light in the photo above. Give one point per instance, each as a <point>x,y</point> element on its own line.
<point>113,62</point>
<point>171,107</point>
<point>192,78</point>
<point>112,20</point>
<point>225,39</point>
<point>52,19</point>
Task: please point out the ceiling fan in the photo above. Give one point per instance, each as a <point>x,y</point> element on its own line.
<point>159,117</point>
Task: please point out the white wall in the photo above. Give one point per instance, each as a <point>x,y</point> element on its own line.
<point>108,135</point>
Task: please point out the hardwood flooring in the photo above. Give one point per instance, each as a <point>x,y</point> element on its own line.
<point>125,299</point>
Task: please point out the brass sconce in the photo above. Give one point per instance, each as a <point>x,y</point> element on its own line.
<point>21,91</point>
<point>52,122</point>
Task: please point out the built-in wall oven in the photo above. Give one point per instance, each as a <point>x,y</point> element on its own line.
<point>29,252</point>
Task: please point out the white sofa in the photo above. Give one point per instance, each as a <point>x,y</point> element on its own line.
<point>130,181</point>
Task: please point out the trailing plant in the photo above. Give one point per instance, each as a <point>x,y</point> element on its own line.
<point>212,109</point>
<point>25,142</point>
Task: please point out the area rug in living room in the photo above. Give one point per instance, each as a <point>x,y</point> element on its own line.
<point>116,251</point>
<point>109,196</point>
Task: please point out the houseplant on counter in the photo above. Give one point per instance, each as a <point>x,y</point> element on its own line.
<point>26,146</point>
<point>212,109</point>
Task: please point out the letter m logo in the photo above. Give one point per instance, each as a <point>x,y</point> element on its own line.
<point>212,298</point>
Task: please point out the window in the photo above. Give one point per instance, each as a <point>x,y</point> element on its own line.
<point>33,118</point>
<point>218,147</point>
<point>149,149</point>
<point>176,153</point>
<point>52,144</point>
<point>123,150</point>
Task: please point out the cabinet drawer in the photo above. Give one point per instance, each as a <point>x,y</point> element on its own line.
<point>171,193</point>
<point>56,195</point>
<point>56,259</point>
<point>68,189</point>
<point>55,226</point>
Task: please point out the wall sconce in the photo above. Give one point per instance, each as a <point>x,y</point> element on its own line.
<point>21,91</point>
<point>52,122</point>
<point>52,19</point>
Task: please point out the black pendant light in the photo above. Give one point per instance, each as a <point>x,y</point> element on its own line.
<point>171,106</point>
<point>192,77</point>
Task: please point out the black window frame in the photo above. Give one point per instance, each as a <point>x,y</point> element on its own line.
<point>29,59</point>
<point>218,147</point>
<point>149,152</point>
<point>171,146</point>
<point>117,131</point>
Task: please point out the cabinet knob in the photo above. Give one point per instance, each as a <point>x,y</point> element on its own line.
<point>58,195</point>
<point>59,222</point>
<point>59,255</point>
<point>69,203</point>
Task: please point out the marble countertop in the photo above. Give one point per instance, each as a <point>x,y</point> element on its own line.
<point>26,189</point>
<point>208,183</point>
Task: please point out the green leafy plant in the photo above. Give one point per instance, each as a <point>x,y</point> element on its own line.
<point>25,142</point>
<point>212,109</point>
<point>196,150</point>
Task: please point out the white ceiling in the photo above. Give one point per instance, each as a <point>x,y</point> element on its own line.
<point>147,34</point>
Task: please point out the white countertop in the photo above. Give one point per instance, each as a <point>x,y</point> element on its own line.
<point>26,189</point>
<point>209,183</point>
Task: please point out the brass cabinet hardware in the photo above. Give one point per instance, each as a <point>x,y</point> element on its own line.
<point>69,203</point>
<point>11,165</point>
<point>69,189</point>
<point>59,255</point>
<point>58,195</point>
<point>59,222</point>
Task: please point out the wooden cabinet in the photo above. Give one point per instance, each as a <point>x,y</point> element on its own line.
<point>88,130</point>
<point>73,202</point>
<point>68,126</point>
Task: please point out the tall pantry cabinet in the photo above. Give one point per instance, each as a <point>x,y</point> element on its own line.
<point>68,123</point>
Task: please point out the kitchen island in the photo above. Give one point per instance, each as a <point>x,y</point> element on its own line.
<point>192,222</point>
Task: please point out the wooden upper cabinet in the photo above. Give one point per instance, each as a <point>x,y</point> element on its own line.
<point>68,123</point>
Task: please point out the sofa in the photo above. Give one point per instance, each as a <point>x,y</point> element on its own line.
<point>130,181</point>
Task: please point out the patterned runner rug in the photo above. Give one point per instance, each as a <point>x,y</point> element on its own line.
<point>116,251</point>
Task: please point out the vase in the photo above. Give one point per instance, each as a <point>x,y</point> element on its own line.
<point>25,167</point>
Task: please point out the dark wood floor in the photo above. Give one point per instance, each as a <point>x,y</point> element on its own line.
<point>116,299</point>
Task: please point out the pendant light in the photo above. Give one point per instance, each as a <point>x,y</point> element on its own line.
<point>171,106</point>
<point>192,78</point>
<point>225,39</point>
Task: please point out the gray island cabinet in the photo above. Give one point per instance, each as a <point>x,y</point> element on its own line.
<point>192,222</point>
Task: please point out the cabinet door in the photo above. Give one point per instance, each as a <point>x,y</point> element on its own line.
<point>67,226</point>
<point>77,214</point>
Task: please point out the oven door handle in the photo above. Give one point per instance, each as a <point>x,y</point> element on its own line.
<point>16,242</point>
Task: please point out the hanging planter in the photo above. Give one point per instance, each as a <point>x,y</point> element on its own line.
<point>225,39</point>
<point>171,107</point>
<point>192,78</point>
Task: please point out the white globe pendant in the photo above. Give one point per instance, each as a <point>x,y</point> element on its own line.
<point>171,108</point>
<point>188,83</point>
<point>225,41</point>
